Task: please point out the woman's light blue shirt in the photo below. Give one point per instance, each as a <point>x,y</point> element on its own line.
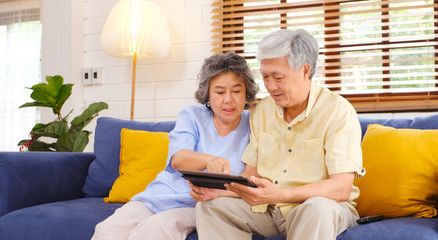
<point>194,130</point>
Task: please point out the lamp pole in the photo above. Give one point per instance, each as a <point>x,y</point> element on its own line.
<point>135,28</point>
<point>134,73</point>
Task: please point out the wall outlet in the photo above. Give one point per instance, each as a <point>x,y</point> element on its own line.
<point>86,76</point>
<point>96,76</point>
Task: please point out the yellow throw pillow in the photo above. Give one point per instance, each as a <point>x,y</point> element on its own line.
<point>402,172</point>
<point>143,155</point>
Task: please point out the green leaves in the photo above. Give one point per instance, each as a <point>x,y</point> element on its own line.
<point>54,94</point>
<point>73,142</point>
<point>40,146</point>
<point>82,120</point>
<point>63,94</point>
<point>54,129</point>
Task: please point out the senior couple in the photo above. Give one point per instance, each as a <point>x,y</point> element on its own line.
<point>300,146</point>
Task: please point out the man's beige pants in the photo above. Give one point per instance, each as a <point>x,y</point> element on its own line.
<point>317,218</point>
<point>135,221</point>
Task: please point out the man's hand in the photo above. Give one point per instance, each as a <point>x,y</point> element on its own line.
<point>265,193</point>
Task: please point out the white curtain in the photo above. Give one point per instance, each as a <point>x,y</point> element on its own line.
<point>20,67</point>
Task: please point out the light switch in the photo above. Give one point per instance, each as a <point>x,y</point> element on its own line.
<point>86,76</point>
<point>96,76</point>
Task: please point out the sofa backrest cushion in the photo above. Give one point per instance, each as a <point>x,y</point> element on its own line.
<point>143,155</point>
<point>402,172</point>
<point>104,170</point>
<point>429,122</point>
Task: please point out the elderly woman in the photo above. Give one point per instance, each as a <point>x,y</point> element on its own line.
<point>212,137</point>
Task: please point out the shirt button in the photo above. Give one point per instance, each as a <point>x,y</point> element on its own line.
<point>289,128</point>
<point>284,170</point>
<point>276,182</point>
<point>290,150</point>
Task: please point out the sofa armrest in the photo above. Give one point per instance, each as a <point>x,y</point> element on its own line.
<point>32,178</point>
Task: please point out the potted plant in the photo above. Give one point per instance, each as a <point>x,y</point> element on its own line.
<point>67,137</point>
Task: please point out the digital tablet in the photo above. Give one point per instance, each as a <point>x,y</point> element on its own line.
<point>214,180</point>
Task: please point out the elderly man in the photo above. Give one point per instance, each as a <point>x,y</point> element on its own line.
<point>303,155</point>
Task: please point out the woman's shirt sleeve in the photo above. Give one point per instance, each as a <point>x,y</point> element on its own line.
<point>185,135</point>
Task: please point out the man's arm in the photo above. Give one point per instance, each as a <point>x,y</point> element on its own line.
<point>250,171</point>
<point>337,187</point>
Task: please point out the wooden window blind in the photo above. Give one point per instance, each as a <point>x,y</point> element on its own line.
<point>380,55</point>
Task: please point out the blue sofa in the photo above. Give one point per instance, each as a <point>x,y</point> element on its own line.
<point>46,195</point>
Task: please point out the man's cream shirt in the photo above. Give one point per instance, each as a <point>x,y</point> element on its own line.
<point>323,140</point>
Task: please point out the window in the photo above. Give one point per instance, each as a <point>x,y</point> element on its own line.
<point>20,53</point>
<point>380,55</point>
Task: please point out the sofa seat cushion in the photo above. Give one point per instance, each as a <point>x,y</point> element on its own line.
<point>397,228</point>
<point>74,219</point>
<point>406,228</point>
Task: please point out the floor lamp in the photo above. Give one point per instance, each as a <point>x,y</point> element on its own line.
<point>137,29</point>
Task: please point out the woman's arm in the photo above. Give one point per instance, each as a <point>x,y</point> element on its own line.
<point>190,160</point>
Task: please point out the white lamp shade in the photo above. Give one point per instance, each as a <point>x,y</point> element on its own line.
<point>136,26</point>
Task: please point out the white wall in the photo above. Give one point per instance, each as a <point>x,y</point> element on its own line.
<point>163,86</point>
<point>72,29</point>
<point>62,50</point>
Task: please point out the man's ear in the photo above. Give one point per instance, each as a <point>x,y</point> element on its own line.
<point>306,70</point>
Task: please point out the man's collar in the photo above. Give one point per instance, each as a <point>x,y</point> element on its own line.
<point>315,90</point>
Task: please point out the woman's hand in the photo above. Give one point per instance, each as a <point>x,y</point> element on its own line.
<point>218,165</point>
<point>200,194</point>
